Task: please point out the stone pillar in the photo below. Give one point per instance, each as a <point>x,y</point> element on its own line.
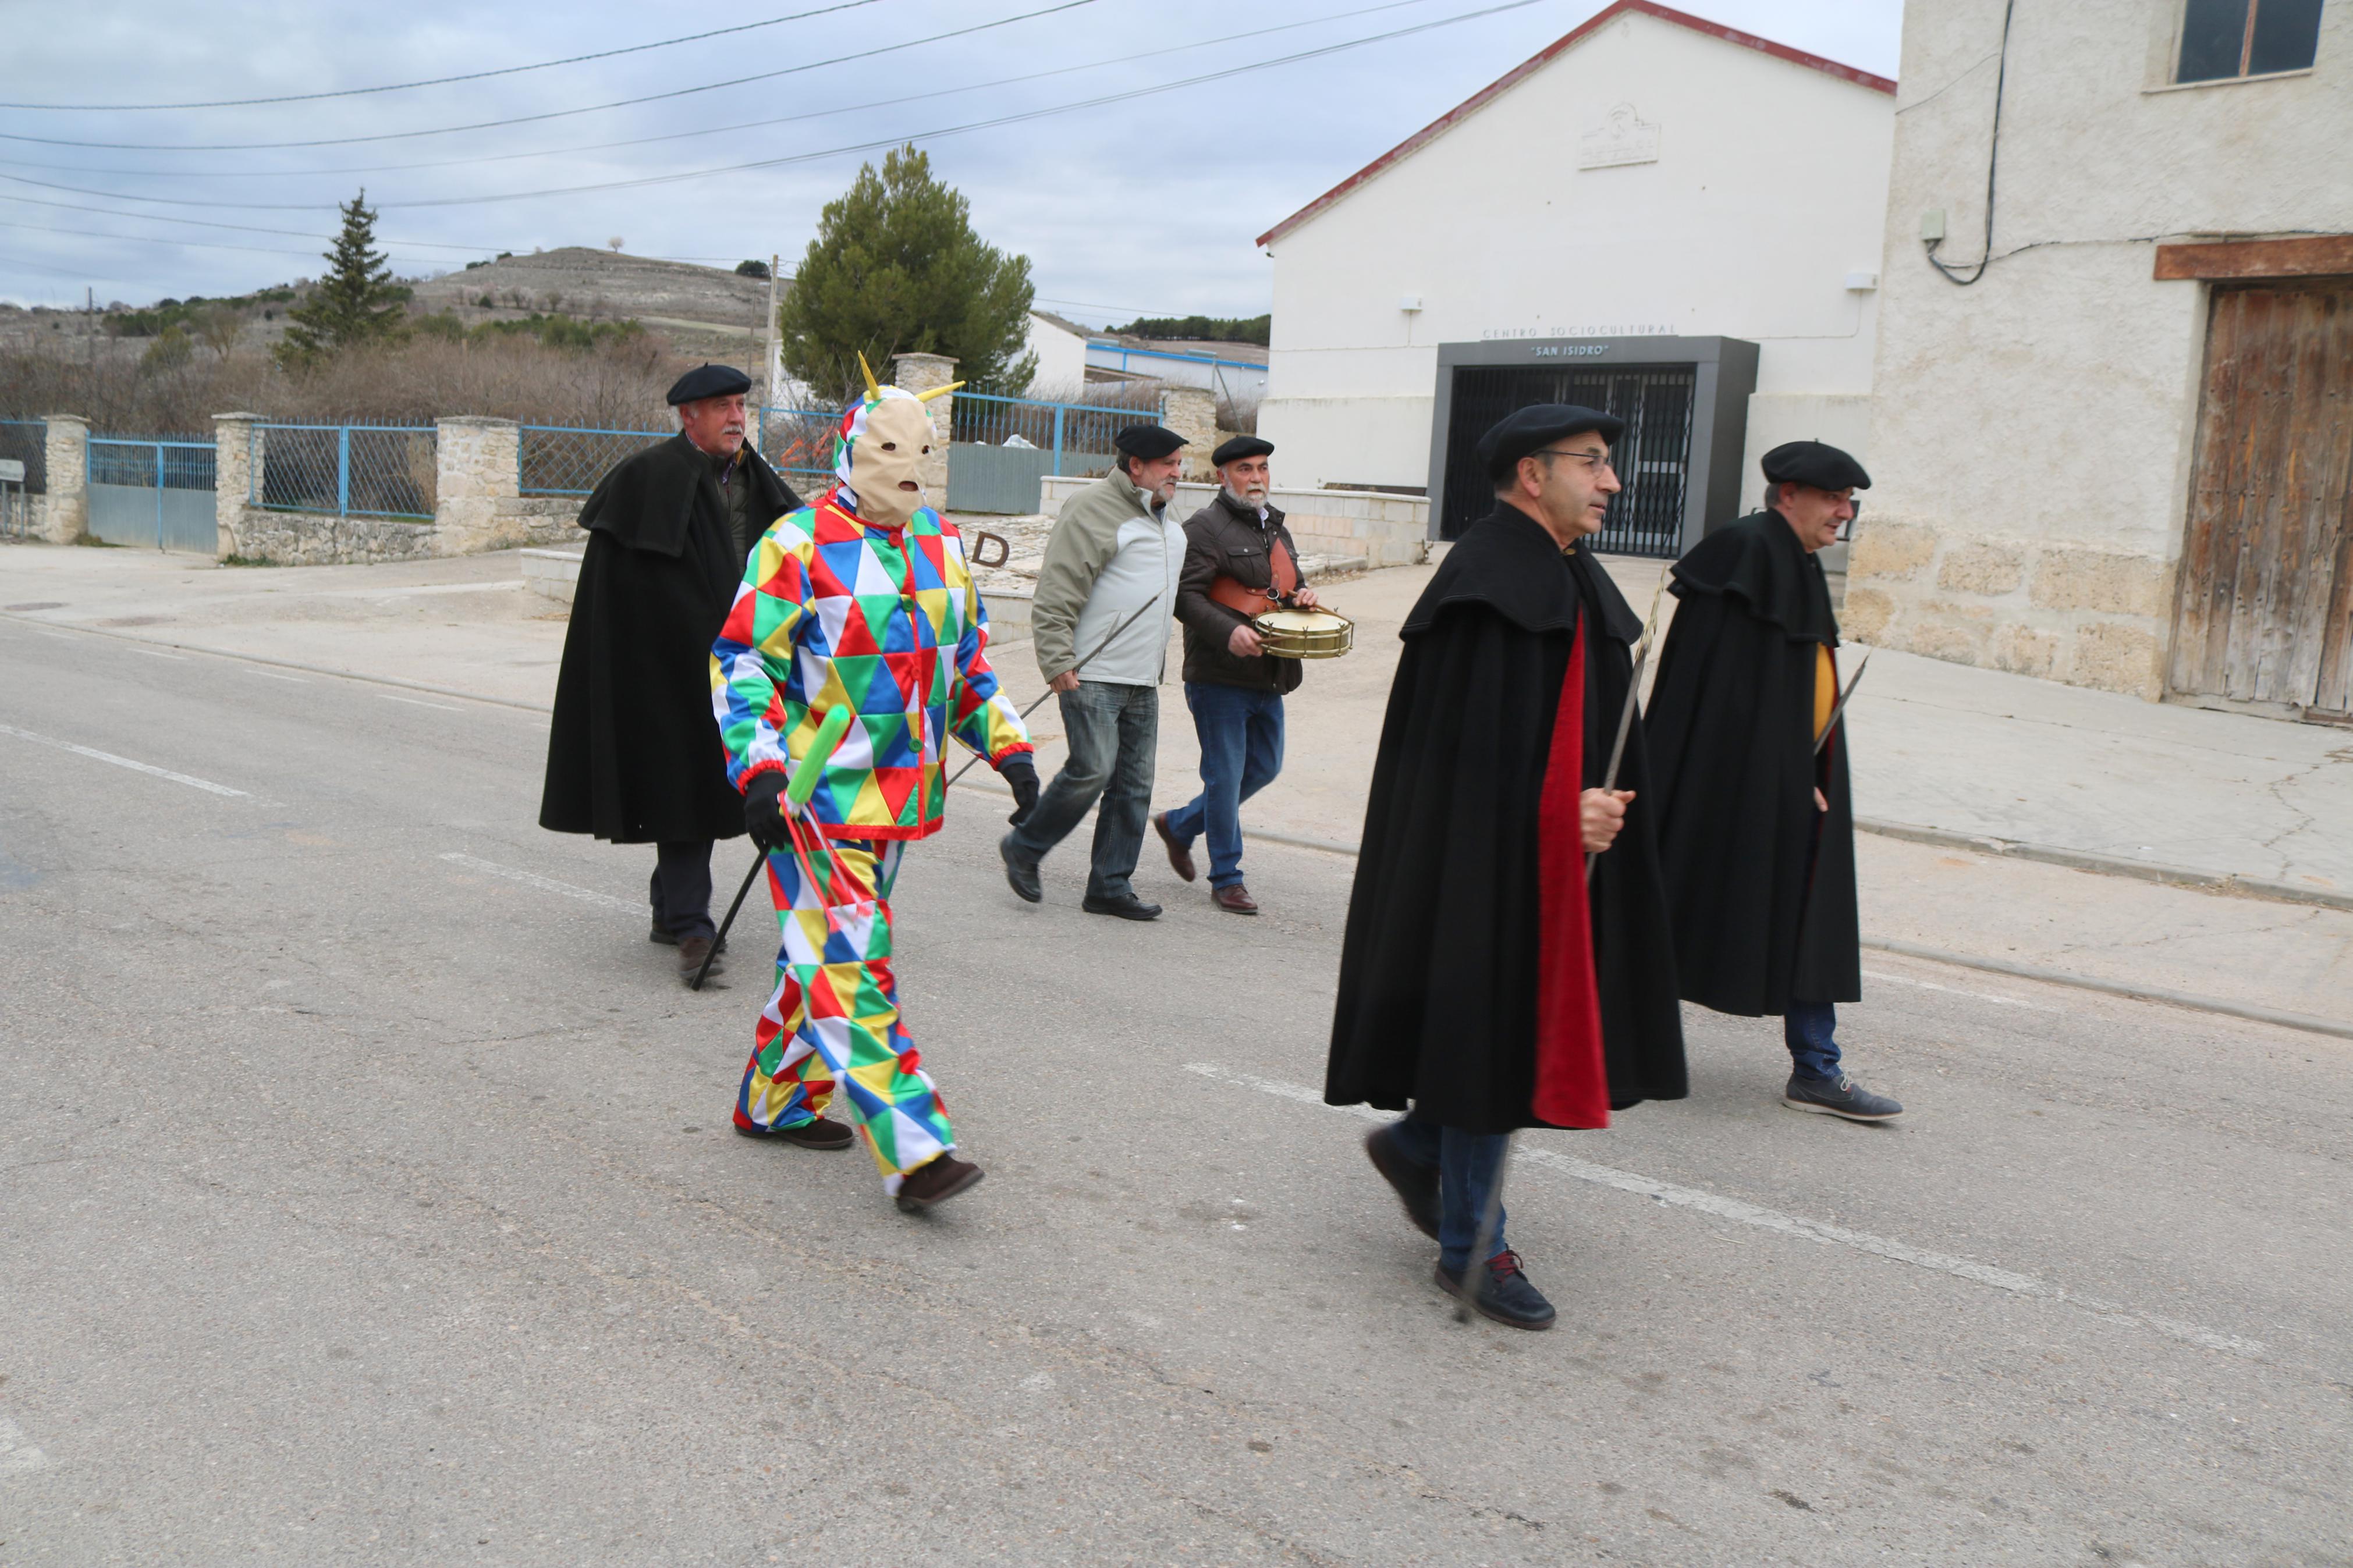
<point>478,464</point>
<point>1192,413</point>
<point>66,453</point>
<point>237,460</point>
<point>921,373</point>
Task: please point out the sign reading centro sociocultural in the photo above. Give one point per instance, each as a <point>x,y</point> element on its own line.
<point>1634,330</point>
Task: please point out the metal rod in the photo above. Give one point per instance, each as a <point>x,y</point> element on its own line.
<point>1840,710</point>
<point>1626,714</point>
<point>1073,670</point>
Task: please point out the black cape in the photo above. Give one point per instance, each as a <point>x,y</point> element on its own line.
<point>1761,883</point>
<point>634,754</point>
<point>1439,969</point>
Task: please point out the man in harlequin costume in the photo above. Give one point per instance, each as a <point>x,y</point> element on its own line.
<point>1483,980</point>
<point>863,600</point>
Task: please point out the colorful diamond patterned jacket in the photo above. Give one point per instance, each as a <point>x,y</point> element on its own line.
<point>833,610</point>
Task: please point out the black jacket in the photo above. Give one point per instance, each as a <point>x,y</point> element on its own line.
<point>1762,884</point>
<point>1444,951</point>
<point>633,753</point>
<point>1225,539</point>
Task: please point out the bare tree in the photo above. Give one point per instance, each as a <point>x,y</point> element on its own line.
<point>615,243</point>
<point>219,329</point>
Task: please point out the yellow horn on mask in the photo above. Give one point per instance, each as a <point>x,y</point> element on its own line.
<point>867,371</point>
<point>937,392</point>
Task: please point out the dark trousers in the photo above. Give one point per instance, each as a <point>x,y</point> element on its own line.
<point>1241,750</point>
<point>681,893</point>
<point>1114,731</point>
<point>1810,1030</point>
<point>1468,1166</point>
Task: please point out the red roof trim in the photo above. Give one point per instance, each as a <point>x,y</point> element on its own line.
<point>1529,67</point>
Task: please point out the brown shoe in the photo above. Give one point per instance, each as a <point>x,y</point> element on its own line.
<point>692,952</point>
<point>815,1134</point>
<point>1234,900</point>
<point>1180,859</point>
<point>935,1180</point>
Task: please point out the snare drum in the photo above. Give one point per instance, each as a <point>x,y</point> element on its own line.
<point>1306,634</point>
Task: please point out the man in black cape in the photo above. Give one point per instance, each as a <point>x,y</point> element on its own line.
<point>634,754</point>
<point>1756,819</point>
<point>1482,979</point>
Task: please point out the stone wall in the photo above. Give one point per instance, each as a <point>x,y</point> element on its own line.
<point>2059,611</point>
<point>320,538</point>
<point>1383,530</point>
<point>63,515</point>
<point>1192,413</point>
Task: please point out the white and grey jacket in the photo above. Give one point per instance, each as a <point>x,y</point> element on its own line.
<point>1111,552</point>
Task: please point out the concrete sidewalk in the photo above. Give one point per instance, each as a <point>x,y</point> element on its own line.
<point>1959,752</point>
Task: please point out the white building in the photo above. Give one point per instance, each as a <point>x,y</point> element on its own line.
<point>2120,451</point>
<point>1233,371</point>
<point>1061,349</point>
<point>1657,213</point>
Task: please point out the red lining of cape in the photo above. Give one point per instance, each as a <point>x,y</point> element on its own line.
<point>1572,1078</point>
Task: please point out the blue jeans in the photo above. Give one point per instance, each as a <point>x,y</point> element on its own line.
<point>1807,1029</point>
<point>1114,731</point>
<point>1468,1166</point>
<point>1241,750</point>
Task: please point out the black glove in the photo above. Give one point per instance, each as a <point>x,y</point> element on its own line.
<point>764,812</point>
<point>1020,772</point>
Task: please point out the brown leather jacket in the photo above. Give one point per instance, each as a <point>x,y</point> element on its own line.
<point>1225,539</point>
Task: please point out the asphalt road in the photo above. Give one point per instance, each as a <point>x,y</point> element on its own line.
<point>366,1194</point>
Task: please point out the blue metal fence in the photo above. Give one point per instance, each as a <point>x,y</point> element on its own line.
<point>350,471</point>
<point>152,490</point>
<point>569,460</point>
<point>27,441</point>
<point>1000,448</point>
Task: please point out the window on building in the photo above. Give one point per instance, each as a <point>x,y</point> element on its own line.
<point>2226,38</point>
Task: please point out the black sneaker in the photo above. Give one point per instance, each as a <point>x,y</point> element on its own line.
<point>1021,872</point>
<point>1129,907</point>
<point>1505,1295</point>
<point>1416,1183</point>
<point>1839,1096</point>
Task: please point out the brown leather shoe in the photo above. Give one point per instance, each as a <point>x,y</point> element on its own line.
<point>692,952</point>
<point>1234,900</point>
<point>935,1180</point>
<point>1180,859</point>
<point>815,1134</point>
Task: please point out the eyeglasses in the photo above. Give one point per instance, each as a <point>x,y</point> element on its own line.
<point>1596,461</point>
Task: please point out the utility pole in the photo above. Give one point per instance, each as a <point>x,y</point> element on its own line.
<point>768,351</point>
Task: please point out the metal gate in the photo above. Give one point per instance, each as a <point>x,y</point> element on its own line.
<point>157,493</point>
<point>1652,458</point>
<point>1001,447</point>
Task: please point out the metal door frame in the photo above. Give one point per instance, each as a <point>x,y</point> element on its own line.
<point>1724,376</point>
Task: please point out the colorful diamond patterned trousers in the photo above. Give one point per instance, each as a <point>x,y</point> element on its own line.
<point>831,1025</point>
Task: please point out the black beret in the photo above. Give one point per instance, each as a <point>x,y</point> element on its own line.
<point>1817,464</point>
<point>1525,430</point>
<point>1240,446</point>
<point>1147,441</point>
<point>708,381</point>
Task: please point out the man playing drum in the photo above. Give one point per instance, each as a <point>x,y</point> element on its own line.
<point>1240,562</point>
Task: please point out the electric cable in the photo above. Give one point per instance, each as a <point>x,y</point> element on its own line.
<point>1993,155</point>
<point>893,102</point>
<point>444,80</point>
<point>557,113</point>
<point>1125,96</point>
<point>239,227</point>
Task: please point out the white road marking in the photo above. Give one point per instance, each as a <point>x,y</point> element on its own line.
<point>1957,991</point>
<point>516,586</point>
<point>547,884</point>
<point>413,702</point>
<point>273,675</point>
<point>151,653</point>
<point>97,755</point>
<point>1797,1226</point>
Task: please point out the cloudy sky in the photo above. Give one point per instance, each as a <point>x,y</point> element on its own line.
<point>1127,200</point>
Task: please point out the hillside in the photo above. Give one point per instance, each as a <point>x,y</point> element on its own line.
<point>703,310</point>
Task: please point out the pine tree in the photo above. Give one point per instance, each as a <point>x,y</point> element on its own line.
<point>896,267</point>
<point>355,304</point>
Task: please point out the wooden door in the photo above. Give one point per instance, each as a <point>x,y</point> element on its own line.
<point>2266,608</point>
